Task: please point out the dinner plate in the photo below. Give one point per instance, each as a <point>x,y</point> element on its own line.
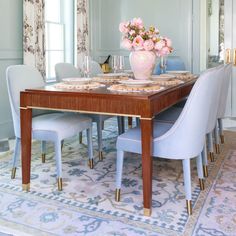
<point>113,75</point>
<point>180,72</point>
<point>162,77</point>
<point>136,83</point>
<point>76,80</point>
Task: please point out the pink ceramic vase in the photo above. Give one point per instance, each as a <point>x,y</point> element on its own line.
<point>142,63</point>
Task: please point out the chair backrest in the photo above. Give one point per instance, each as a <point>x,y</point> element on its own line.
<point>186,137</point>
<point>215,102</point>
<point>95,69</point>
<point>66,70</point>
<point>19,78</point>
<point>172,63</point>
<point>224,91</point>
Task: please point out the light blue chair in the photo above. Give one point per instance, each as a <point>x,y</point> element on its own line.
<point>53,127</point>
<point>223,101</point>
<point>172,63</point>
<point>182,140</point>
<point>172,114</point>
<point>65,70</point>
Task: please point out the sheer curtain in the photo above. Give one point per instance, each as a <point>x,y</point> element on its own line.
<point>34,34</point>
<point>82,30</point>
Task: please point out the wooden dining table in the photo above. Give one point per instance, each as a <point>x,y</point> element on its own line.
<point>101,101</point>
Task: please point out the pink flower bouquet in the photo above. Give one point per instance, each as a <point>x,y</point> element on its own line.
<point>136,37</point>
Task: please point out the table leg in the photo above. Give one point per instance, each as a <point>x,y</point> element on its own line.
<point>26,132</point>
<point>147,139</point>
<point>130,120</point>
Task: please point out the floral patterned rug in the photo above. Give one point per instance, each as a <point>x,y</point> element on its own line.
<point>87,206</point>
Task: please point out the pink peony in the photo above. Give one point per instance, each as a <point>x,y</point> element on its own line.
<point>168,42</point>
<point>164,51</point>
<point>132,32</point>
<point>126,43</point>
<point>138,43</point>
<point>148,45</point>
<point>137,22</point>
<point>159,45</point>
<point>123,27</point>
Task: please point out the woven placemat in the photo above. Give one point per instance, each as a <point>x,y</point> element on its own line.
<point>109,79</point>
<point>89,86</point>
<point>124,88</point>
<point>167,83</point>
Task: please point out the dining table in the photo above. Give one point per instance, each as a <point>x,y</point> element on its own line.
<point>144,105</point>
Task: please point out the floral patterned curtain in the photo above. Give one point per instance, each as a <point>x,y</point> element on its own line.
<point>34,34</point>
<point>82,30</point>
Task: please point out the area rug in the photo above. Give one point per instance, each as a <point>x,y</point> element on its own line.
<point>87,206</point>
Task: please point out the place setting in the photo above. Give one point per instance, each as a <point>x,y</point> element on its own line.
<point>166,80</point>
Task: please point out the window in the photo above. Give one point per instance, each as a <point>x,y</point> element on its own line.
<point>59,34</point>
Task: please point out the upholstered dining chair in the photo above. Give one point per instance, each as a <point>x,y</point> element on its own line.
<point>98,119</point>
<point>223,101</point>
<point>53,127</point>
<point>172,63</point>
<point>182,140</point>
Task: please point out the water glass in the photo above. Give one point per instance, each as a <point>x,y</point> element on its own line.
<point>121,63</point>
<point>86,66</point>
<point>115,63</point>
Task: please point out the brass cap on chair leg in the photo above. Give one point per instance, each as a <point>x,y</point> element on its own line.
<point>205,171</point>
<point>91,165</point>
<point>80,138</point>
<point>222,138</point>
<point>189,207</point>
<point>43,157</point>
<point>117,196</point>
<point>100,156</point>
<point>217,147</point>
<point>26,187</point>
<point>212,158</point>
<point>59,184</point>
<point>201,183</point>
<point>13,173</point>
<point>147,212</point>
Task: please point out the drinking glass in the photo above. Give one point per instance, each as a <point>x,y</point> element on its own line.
<point>121,63</point>
<point>163,64</point>
<point>115,63</point>
<point>86,66</point>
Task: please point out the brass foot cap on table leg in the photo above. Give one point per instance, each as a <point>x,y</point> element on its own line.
<point>205,171</point>
<point>59,184</point>
<point>100,156</point>
<point>13,173</point>
<point>43,157</point>
<point>189,207</point>
<point>26,187</point>
<point>91,165</point>
<point>147,212</point>
<point>130,126</point>
<point>117,196</point>
<point>222,138</point>
<point>201,183</point>
<point>217,147</point>
<point>212,158</point>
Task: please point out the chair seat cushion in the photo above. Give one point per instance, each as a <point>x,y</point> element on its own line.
<point>131,140</point>
<point>170,115</point>
<point>60,125</point>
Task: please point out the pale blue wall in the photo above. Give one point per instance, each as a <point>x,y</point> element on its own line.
<point>172,17</point>
<point>10,53</point>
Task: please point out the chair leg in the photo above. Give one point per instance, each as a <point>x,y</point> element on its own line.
<point>217,141</point>
<point>58,164</point>
<point>90,147</point>
<point>80,137</point>
<point>121,124</point>
<point>43,151</point>
<point>137,121</point>
<point>210,147</point>
<point>119,169</point>
<point>187,184</point>
<point>205,161</point>
<point>130,122</point>
<point>200,171</point>
<point>15,157</point>
<point>220,123</point>
<point>99,133</point>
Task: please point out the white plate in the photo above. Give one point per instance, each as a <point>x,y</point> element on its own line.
<point>180,72</point>
<point>113,75</point>
<point>136,83</point>
<point>76,80</point>
<point>162,77</point>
